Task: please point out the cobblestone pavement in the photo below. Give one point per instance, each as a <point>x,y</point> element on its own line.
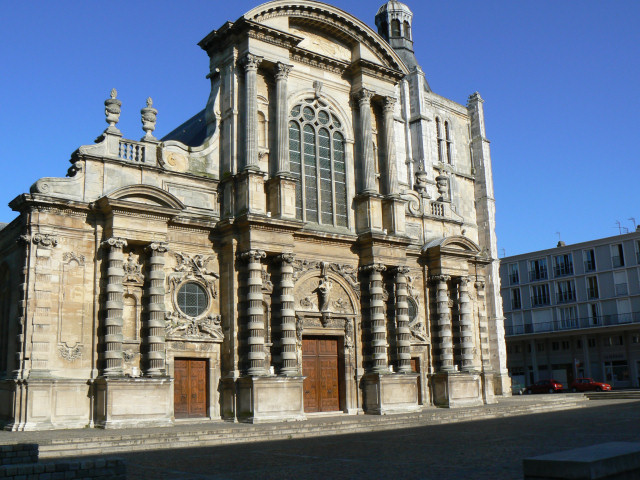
<point>487,449</point>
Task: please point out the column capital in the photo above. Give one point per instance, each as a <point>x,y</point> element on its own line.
<point>288,258</point>
<point>250,61</point>
<point>439,278</point>
<point>252,255</point>
<point>373,268</point>
<point>400,270</point>
<point>363,96</point>
<point>115,242</point>
<point>479,284</point>
<point>389,104</point>
<point>282,71</point>
<point>463,281</point>
<point>157,247</point>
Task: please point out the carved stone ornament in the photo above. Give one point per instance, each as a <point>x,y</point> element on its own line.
<point>71,257</point>
<point>267,284</point>
<point>250,61</point>
<point>348,334</point>
<point>282,71</point>
<point>112,111</point>
<point>44,240</point>
<point>347,272</point>
<point>443,187</point>
<point>132,270</point>
<point>178,325</point>
<point>317,88</point>
<point>129,355</point>
<point>70,354</point>
<point>421,182</point>
<point>322,294</point>
<point>192,267</point>
<point>149,120</point>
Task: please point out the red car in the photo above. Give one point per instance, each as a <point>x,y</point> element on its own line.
<point>544,386</point>
<point>588,384</point>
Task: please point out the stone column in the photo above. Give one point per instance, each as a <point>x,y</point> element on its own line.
<point>379,359</point>
<point>444,323</point>
<point>154,356</point>
<point>390,146</point>
<point>282,118</point>
<point>288,339</point>
<point>484,327</point>
<point>254,312</point>
<point>403,334</point>
<point>368,167</point>
<point>466,325</point>
<point>112,340</point>
<point>250,63</point>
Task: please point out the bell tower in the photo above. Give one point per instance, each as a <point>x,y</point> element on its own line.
<point>394,25</point>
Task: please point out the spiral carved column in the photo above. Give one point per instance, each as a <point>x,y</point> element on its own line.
<point>255,312</point>
<point>288,339</point>
<point>444,323</point>
<point>154,356</point>
<point>114,305</point>
<point>466,325</point>
<point>403,334</point>
<point>379,359</point>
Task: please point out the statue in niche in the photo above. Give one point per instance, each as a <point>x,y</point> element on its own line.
<point>324,289</point>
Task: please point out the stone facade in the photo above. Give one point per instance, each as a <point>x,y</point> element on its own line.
<point>321,237</point>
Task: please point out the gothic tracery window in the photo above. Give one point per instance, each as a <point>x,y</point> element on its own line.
<point>317,161</point>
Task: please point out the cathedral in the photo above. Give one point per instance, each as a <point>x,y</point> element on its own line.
<point>320,238</point>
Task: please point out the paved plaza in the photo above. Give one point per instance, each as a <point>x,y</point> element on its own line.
<point>488,449</point>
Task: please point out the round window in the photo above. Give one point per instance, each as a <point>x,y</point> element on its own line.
<point>192,299</point>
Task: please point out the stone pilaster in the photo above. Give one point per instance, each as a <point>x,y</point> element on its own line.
<point>483,326</point>
<point>254,313</point>
<point>288,346</point>
<point>154,356</point>
<point>444,323</point>
<point>250,63</point>
<point>403,333</point>
<point>282,118</point>
<point>113,307</point>
<point>378,358</point>
<point>389,146</point>
<point>466,326</point>
<point>368,167</point>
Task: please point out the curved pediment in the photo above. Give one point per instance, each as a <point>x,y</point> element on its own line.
<point>148,195</point>
<point>455,243</point>
<point>328,22</point>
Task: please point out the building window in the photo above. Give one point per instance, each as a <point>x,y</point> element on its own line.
<point>617,255</point>
<point>540,295</point>
<point>579,344</point>
<point>565,345</point>
<point>566,291</point>
<point>540,347</point>
<point>449,145</point>
<point>516,302</point>
<point>514,275</point>
<point>638,252</point>
<point>555,345</point>
<point>395,28</point>
<point>635,339</point>
<point>563,265</point>
<point>192,299</point>
<point>620,282</point>
<point>317,158</point>
<point>592,287</point>
<point>518,349</point>
<point>568,318</point>
<point>594,314</point>
<point>592,342</point>
<point>439,138</point>
<point>589,260</point>
<point>407,30</point>
<point>538,269</point>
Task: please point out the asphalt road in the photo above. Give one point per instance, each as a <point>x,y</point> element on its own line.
<point>488,449</point>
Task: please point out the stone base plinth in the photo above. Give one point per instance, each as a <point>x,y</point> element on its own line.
<point>390,393</point>
<point>488,388</point>
<point>457,389</point>
<point>133,402</point>
<point>270,399</point>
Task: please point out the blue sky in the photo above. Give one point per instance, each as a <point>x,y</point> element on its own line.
<point>559,79</point>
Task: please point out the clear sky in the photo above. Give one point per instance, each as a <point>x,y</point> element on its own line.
<point>559,79</point>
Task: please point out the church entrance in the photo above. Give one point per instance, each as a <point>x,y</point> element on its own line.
<point>321,367</point>
<point>190,388</point>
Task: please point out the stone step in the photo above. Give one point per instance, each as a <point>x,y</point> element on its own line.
<point>614,394</point>
<point>106,442</point>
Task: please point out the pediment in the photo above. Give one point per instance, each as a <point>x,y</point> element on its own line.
<point>146,195</point>
<point>453,244</point>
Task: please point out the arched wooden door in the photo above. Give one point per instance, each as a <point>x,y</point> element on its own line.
<point>321,367</point>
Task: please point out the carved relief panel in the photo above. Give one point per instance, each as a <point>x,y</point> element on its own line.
<point>72,307</point>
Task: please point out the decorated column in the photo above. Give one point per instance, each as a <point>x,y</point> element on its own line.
<point>254,313</point>
<point>154,356</point>
<point>379,360</point>
<point>282,118</point>
<point>466,326</point>
<point>389,146</point>
<point>250,63</point>
<point>113,307</point>
<point>403,333</point>
<point>368,167</point>
<point>444,323</point>
<point>288,339</point>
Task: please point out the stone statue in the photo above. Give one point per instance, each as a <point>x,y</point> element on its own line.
<point>112,111</point>
<point>324,288</point>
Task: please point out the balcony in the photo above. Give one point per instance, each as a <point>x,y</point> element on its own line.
<point>574,324</point>
<point>590,266</point>
<point>566,296</point>
<point>536,275</point>
<point>563,270</point>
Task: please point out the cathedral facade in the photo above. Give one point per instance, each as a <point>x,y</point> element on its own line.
<point>319,238</point>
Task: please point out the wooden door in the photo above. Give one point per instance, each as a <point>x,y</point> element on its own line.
<point>415,368</point>
<point>190,388</point>
<point>321,368</point>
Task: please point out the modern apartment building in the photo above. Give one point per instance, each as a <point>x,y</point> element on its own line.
<point>574,311</point>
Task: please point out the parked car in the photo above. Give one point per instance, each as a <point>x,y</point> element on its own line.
<point>588,385</point>
<point>545,386</point>
<point>517,388</point>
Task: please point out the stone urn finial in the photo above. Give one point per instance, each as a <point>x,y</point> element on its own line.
<point>149,121</point>
<point>112,111</point>
<point>421,182</point>
<point>443,187</point>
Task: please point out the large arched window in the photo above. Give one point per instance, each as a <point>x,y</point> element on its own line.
<point>317,158</point>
